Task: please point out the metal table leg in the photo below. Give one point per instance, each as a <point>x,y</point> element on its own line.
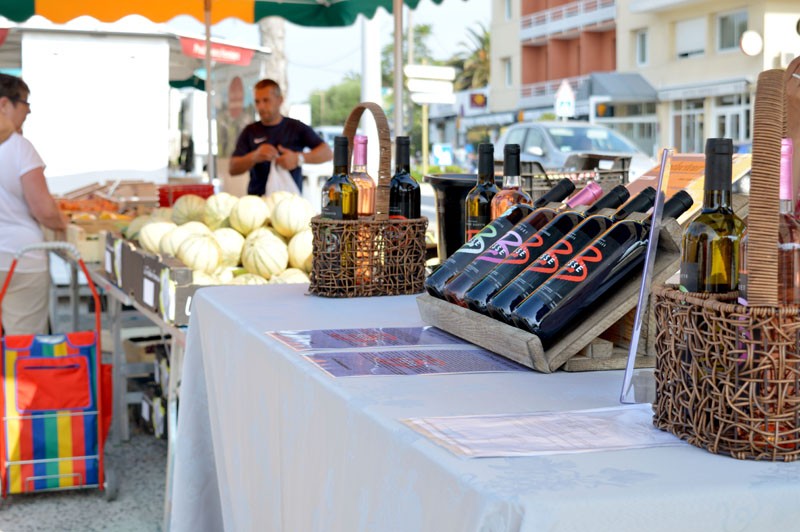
<point>177,349</point>
<point>74,297</point>
<point>121,430</point>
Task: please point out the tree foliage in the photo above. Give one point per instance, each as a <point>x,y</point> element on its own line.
<point>333,105</point>
<point>473,62</point>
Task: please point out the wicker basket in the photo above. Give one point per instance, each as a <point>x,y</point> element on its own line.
<point>377,257</point>
<point>728,376</point>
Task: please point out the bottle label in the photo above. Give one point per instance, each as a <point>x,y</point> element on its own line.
<point>475,224</point>
<point>577,269</point>
<point>690,273</point>
<point>502,249</point>
<point>550,261</point>
<point>477,244</point>
<point>331,210</point>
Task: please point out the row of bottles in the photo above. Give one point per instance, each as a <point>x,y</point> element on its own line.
<point>715,243</point>
<point>537,268</point>
<point>350,194</point>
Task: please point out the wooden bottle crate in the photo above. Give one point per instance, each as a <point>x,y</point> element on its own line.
<point>583,348</point>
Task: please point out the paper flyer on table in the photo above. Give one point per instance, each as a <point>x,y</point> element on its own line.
<point>411,362</point>
<point>577,431</point>
<point>313,340</point>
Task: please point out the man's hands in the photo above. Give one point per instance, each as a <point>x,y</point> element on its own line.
<point>265,152</point>
<point>282,156</point>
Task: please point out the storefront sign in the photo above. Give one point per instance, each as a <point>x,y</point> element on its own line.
<point>221,53</point>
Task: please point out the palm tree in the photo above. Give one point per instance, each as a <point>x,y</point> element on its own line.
<point>474,61</point>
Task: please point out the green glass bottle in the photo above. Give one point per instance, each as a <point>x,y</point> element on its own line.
<point>710,248</point>
<point>478,203</point>
<point>340,193</point>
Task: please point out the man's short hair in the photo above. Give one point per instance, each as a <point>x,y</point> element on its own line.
<point>265,83</point>
<point>13,88</point>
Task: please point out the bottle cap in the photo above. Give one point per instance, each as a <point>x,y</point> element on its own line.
<point>678,204</point>
<point>511,159</point>
<point>340,147</point>
<point>402,154</point>
<point>560,190</point>
<point>719,153</point>
<point>613,199</point>
<point>586,196</point>
<point>486,159</point>
<point>639,203</point>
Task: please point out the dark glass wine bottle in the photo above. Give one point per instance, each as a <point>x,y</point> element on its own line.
<point>608,260</point>
<point>511,194</point>
<point>477,205</point>
<point>478,296</point>
<point>540,268</point>
<point>537,231</point>
<point>339,193</point>
<point>710,247</point>
<point>404,192</point>
<point>436,282</point>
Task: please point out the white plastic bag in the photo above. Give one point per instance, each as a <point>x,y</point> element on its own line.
<point>280,179</point>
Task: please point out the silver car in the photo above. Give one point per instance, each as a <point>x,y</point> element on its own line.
<point>552,143</point>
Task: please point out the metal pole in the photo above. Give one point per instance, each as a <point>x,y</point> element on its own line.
<point>212,167</point>
<point>424,139</point>
<point>397,9</point>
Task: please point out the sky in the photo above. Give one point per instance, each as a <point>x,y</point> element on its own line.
<point>320,57</point>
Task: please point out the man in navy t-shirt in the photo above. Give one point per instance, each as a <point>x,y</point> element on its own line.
<point>275,139</point>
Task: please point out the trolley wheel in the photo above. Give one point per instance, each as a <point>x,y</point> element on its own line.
<point>111,485</point>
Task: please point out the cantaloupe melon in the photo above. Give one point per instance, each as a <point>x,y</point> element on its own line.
<point>200,252</point>
<point>265,256</point>
<point>249,213</point>
<point>187,208</point>
<point>291,215</point>
<point>218,210</point>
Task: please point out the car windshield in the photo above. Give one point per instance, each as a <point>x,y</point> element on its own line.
<point>571,139</point>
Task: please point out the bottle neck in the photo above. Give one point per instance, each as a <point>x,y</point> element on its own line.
<point>511,181</point>
<point>716,199</point>
<point>786,206</point>
<point>359,168</point>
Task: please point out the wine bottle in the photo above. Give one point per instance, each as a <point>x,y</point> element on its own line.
<point>511,194</point>
<point>529,234</point>
<point>339,193</point>
<point>477,205</point>
<point>710,247</point>
<point>435,283</point>
<point>404,193</point>
<point>542,267</point>
<point>478,296</point>
<point>608,260</point>
<point>364,182</point>
<point>788,238</point>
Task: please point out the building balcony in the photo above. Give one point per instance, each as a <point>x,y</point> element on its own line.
<point>567,19</point>
<point>654,6</point>
<point>543,94</point>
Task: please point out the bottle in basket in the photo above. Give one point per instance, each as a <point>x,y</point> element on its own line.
<point>364,182</point>
<point>511,194</point>
<point>478,203</point>
<point>489,235</point>
<point>600,267</point>
<point>340,194</point>
<point>536,231</point>
<point>788,238</point>
<point>478,296</point>
<point>710,247</point>
<point>538,269</point>
<point>404,193</point>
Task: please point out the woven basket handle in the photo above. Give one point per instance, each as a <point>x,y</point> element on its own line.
<point>769,127</point>
<point>385,154</point>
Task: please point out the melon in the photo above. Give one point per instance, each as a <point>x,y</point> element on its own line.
<point>202,278</point>
<point>162,213</point>
<point>263,231</point>
<point>200,252</point>
<point>276,197</point>
<point>132,231</point>
<point>265,256</point>
<point>218,210</point>
<point>225,274</point>
<point>231,242</point>
<point>300,250</point>
<point>292,215</point>
<point>187,208</point>
<point>171,241</point>
<point>248,278</point>
<point>150,235</point>
<point>249,213</point>
<point>290,276</point>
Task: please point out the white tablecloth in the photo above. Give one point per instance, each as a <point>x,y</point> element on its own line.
<point>266,441</point>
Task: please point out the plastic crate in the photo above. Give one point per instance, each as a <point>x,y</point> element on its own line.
<point>168,194</point>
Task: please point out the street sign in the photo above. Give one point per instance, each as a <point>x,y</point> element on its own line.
<point>443,73</point>
<point>565,100</point>
<point>431,97</point>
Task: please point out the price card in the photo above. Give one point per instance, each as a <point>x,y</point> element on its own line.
<point>148,292</point>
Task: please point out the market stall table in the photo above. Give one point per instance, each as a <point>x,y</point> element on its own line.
<point>267,441</point>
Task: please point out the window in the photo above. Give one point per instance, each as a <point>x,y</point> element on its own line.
<point>508,9</point>
<point>641,47</point>
<point>507,74</point>
<point>690,38</point>
<point>729,30</point>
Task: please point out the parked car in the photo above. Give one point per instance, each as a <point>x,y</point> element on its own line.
<point>552,143</point>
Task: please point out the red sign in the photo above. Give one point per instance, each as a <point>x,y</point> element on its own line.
<point>221,53</point>
<point>235,97</point>
<point>477,100</point>
<point>3,35</point>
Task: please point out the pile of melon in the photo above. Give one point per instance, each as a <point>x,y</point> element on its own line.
<point>230,240</point>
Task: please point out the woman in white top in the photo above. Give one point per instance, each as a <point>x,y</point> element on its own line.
<point>25,203</point>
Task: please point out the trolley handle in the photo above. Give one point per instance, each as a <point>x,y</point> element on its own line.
<point>49,246</point>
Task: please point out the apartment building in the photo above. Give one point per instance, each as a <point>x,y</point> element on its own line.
<point>663,72</point>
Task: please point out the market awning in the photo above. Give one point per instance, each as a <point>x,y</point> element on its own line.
<point>623,87</point>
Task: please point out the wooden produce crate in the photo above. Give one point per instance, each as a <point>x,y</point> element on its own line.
<point>580,349</point>
<point>89,237</point>
<point>138,196</point>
